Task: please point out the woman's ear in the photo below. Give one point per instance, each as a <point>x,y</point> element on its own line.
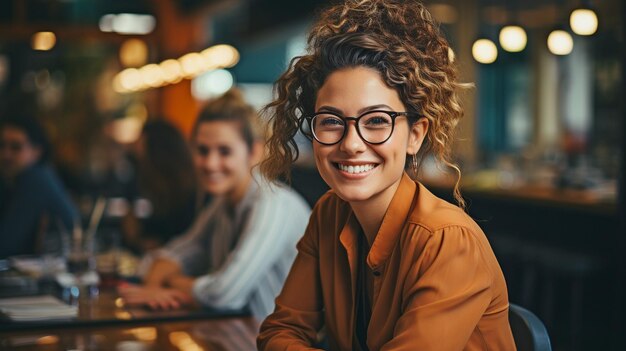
<point>417,133</point>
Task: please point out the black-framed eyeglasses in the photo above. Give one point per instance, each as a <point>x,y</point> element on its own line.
<point>374,127</point>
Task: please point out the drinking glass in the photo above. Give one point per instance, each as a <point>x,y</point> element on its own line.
<point>107,257</point>
<point>80,275</point>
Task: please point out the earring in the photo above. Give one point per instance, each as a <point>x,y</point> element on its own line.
<point>414,161</point>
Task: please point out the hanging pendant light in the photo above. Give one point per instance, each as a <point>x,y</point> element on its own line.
<point>513,38</point>
<point>583,21</point>
<point>484,51</point>
<point>560,42</point>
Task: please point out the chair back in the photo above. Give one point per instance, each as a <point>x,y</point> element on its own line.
<point>528,330</point>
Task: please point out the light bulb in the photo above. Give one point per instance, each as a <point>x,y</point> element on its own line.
<point>172,71</point>
<point>583,21</point>
<point>43,41</point>
<point>130,79</point>
<point>484,51</point>
<point>211,84</point>
<point>560,42</point>
<point>152,75</point>
<point>221,56</point>
<point>192,64</point>
<point>513,38</point>
<point>133,53</point>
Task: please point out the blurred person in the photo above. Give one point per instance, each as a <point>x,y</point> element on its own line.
<point>383,264</point>
<point>166,178</point>
<point>32,198</point>
<point>240,247</point>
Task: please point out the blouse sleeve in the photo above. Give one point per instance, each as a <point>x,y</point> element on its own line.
<point>298,315</point>
<point>446,293</point>
<point>189,249</point>
<point>275,222</point>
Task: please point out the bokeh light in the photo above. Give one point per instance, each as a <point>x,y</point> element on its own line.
<point>43,41</point>
<point>133,53</point>
<point>513,38</point>
<point>484,51</point>
<point>560,42</point>
<point>583,21</point>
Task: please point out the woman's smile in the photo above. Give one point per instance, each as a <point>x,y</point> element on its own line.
<point>355,169</point>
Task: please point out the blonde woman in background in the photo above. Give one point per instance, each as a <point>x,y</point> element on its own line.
<point>239,249</point>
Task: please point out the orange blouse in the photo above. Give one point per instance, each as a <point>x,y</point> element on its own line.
<point>436,282</point>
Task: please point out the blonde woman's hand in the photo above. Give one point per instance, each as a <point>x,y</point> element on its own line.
<point>154,297</point>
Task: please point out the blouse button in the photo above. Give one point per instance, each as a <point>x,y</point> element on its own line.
<point>377,273</point>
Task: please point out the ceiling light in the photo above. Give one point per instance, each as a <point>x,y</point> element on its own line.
<point>127,23</point>
<point>43,41</point>
<point>192,64</point>
<point>513,38</point>
<point>484,51</point>
<point>130,79</point>
<point>221,55</point>
<point>583,21</point>
<point>133,53</point>
<point>560,42</point>
<point>106,23</point>
<point>152,75</point>
<point>211,84</point>
<point>172,71</point>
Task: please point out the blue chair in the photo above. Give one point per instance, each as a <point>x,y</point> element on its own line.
<point>528,330</point>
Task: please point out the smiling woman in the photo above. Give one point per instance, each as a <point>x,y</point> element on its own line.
<point>237,252</point>
<point>360,170</point>
<point>383,264</point>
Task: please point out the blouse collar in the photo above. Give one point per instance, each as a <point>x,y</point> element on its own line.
<point>393,222</point>
<point>390,228</point>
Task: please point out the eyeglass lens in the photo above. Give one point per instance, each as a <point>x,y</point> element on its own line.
<point>373,127</point>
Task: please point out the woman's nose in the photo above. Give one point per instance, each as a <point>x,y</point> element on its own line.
<point>352,142</point>
<point>211,161</point>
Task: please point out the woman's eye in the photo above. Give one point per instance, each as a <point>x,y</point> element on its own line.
<point>202,150</point>
<point>225,151</point>
<point>331,122</point>
<point>377,121</point>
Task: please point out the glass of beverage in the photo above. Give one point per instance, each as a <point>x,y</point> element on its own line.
<point>80,263</point>
<point>107,256</point>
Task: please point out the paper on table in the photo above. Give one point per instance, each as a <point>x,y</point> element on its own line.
<point>34,308</point>
<point>38,266</point>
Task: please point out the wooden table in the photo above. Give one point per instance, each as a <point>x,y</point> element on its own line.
<point>229,333</point>
<point>106,308</point>
<point>104,323</point>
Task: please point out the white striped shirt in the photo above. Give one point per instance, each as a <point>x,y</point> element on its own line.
<point>257,242</point>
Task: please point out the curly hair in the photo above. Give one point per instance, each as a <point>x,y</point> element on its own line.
<point>400,40</point>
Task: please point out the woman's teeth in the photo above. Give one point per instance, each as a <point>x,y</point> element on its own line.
<point>355,169</point>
